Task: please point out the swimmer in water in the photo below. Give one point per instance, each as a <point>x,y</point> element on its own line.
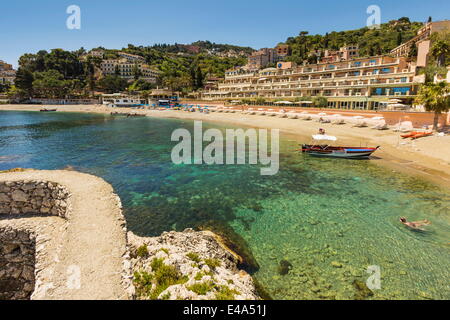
<point>416,225</point>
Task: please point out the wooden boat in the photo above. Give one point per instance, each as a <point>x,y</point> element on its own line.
<point>338,152</point>
<point>48,110</point>
<point>324,150</point>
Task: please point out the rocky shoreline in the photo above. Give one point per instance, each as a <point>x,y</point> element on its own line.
<point>63,236</point>
<point>188,265</point>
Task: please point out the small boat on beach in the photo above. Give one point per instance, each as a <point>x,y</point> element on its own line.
<point>324,150</point>
<point>48,110</point>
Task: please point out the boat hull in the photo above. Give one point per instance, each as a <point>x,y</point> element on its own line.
<point>338,152</point>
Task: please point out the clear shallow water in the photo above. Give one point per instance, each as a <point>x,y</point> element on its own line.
<point>314,213</point>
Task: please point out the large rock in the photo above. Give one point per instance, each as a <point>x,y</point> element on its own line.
<point>19,196</point>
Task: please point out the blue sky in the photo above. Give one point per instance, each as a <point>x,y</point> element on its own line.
<point>29,26</point>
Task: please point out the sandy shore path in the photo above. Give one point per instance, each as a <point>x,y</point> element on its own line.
<point>428,157</point>
<point>85,254</point>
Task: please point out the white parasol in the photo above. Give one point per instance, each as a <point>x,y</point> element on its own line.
<point>323,137</point>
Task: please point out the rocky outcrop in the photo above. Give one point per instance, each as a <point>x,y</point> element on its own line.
<point>201,268</point>
<point>63,236</point>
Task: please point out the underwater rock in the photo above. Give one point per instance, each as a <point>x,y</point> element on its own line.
<point>336,264</point>
<point>362,291</point>
<point>233,241</point>
<point>284,267</point>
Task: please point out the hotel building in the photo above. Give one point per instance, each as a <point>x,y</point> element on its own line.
<point>361,83</point>
<point>422,41</point>
<point>125,69</point>
<point>7,73</point>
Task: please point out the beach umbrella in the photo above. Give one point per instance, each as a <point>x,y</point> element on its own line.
<point>323,137</point>
<point>378,118</point>
<point>358,118</point>
<point>305,112</point>
<point>337,115</point>
<point>322,114</point>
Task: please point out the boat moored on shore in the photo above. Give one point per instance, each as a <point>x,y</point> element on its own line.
<point>325,150</point>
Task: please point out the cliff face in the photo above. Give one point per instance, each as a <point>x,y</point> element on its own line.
<point>187,265</point>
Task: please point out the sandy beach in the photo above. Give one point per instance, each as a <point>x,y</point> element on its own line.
<point>427,157</point>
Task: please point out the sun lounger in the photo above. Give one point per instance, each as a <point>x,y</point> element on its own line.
<point>361,125</point>
<point>339,122</point>
<point>381,127</point>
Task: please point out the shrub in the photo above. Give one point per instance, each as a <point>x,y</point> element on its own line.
<point>212,263</point>
<point>225,293</point>
<point>142,251</point>
<point>194,257</point>
<point>202,288</point>
<point>143,283</point>
<point>152,285</point>
<point>199,276</point>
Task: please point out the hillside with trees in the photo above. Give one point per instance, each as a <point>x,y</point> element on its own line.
<point>182,67</point>
<point>371,42</point>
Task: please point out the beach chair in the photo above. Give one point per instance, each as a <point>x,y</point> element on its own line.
<point>381,127</point>
<point>362,124</point>
<point>339,122</point>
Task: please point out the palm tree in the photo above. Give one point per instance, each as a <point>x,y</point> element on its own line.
<point>440,50</point>
<point>436,98</point>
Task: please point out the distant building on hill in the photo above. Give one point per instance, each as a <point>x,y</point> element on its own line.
<point>7,73</point>
<point>132,58</point>
<point>422,42</point>
<point>283,51</point>
<point>212,83</point>
<point>343,54</point>
<point>126,69</point>
<point>262,58</point>
<point>96,53</point>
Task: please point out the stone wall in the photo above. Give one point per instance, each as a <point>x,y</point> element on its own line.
<point>33,197</point>
<point>17,264</point>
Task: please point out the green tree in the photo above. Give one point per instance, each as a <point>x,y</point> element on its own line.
<point>24,81</point>
<point>112,84</point>
<point>435,97</point>
<point>320,102</point>
<point>440,50</point>
<point>51,84</point>
<point>199,79</point>
<point>136,72</point>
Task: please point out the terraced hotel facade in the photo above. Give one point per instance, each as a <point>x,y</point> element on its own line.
<point>362,83</point>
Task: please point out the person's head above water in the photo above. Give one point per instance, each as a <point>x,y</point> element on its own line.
<point>402,219</point>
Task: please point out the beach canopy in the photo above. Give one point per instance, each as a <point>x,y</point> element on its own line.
<point>323,137</point>
<point>283,102</point>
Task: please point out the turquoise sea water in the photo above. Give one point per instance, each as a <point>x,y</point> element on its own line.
<point>327,220</point>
